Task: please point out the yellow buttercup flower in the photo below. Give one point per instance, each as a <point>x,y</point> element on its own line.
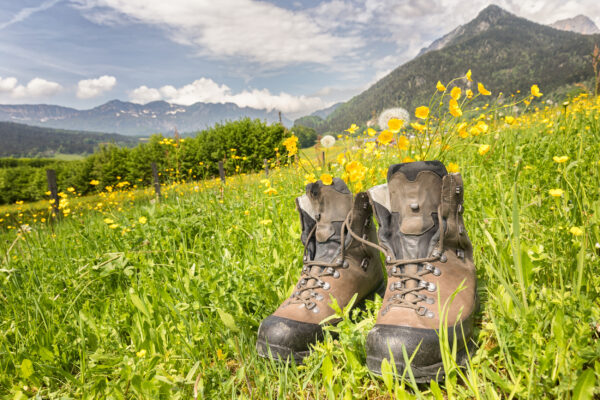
<point>439,86</point>
<point>535,91</point>
<point>142,220</point>
<point>355,170</point>
<point>453,168</point>
<point>371,132</point>
<point>291,145</point>
<point>509,120</point>
<point>468,76</point>
<point>560,159</point>
<point>94,182</point>
<point>483,149</point>
<point>455,108</point>
<point>408,159</point>
<point>418,127</point>
<point>353,128</point>
<point>271,191</point>
<point>576,231</point>
<point>403,143</point>
<point>483,90</point>
<point>556,192</point>
<point>455,93</point>
<point>395,124</point>
<point>309,178</point>
<point>482,127</point>
<point>340,159</point>
<point>469,94</point>
<point>326,179</point>
<point>462,131</point>
<point>422,112</point>
<point>370,147</point>
<point>385,137</point>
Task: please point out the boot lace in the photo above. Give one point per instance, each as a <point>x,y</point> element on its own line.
<point>306,293</point>
<point>396,268</point>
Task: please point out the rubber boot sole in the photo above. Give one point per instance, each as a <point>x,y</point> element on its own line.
<point>422,374</point>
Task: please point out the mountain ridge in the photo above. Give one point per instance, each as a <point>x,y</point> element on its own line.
<point>580,24</point>
<point>127,118</point>
<point>504,51</point>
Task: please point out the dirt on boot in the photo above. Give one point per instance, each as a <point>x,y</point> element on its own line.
<point>334,264</point>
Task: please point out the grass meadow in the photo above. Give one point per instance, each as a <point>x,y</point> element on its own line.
<point>144,299</point>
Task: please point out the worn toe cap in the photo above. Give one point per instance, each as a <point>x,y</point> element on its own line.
<point>285,337</point>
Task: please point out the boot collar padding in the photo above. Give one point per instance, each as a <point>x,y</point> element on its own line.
<point>380,195</point>
<point>306,206</point>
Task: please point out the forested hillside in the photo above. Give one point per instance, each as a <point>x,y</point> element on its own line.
<point>504,51</point>
<point>20,140</point>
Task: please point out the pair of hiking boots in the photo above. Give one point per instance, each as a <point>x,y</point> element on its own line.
<point>427,252</point>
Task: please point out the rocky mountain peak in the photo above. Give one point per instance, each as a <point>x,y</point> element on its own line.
<point>579,24</point>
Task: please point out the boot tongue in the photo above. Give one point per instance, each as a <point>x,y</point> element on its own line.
<point>415,194</point>
<point>331,204</point>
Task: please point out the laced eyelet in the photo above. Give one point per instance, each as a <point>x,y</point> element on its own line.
<point>388,259</point>
<point>345,264</point>
<point>311,305</point>
<point>336,274</point>
<point>431,287</point>
<point>315,310</point>
<point>325,285</point>
<point>429,300</point>
<point>429,314</point>
<point>364,264</point>
<point>421,311</point>
<point>443,258</point>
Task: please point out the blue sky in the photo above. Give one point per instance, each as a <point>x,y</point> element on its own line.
<point>296,56</point>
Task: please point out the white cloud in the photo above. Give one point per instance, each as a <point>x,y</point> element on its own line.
<point>254,30</point>
<point>35,89</point>
<point>208,91</point>
<point>144,94</point>
<point>27,12</point>
<point>88,88</point>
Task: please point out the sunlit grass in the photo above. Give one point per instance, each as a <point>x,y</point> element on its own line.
<point>141,299</point>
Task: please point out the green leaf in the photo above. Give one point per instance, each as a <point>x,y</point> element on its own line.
<point>387,374</point>
<point>327,370</point>
<point>228,320</point>
<point>139,304</point>
<point>26,368</point>
<point>436,391</point>
<point>584,388</point>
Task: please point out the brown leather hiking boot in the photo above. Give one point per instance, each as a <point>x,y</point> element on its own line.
<point>428,256</point>
<point>334,264</point>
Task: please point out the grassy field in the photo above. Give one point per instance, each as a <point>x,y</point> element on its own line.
<point>138,299</point>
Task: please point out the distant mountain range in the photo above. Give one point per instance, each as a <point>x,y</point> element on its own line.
<point>506,52</point>
<point>579,24</point>
<point>134,119</point>
<point>19,140</point>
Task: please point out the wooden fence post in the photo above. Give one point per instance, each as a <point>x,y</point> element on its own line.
<point>53,188</point>
<point>266,164</point>
<point>155,180</point>
<point>222,172</point>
